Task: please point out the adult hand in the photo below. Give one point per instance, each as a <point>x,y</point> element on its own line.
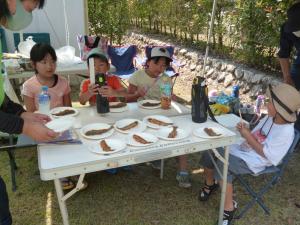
<point>35,117</point>
<point>38,131</point>
<point>107,91</point>
<point>243,129</point>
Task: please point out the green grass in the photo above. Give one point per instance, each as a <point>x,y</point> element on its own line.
<point>140,197</point>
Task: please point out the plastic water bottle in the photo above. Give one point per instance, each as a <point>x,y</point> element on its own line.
<point>166,92</point>
<point>235,91</point>
<point>44,101</point>
<point>258,103</point>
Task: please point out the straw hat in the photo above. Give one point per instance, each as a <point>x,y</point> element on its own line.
<point>286,100</point>
<point>160,52</point>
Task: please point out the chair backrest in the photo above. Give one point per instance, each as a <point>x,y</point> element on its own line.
<point>290,151</point>
<point>3,40</point>
<point>122,57</point>
<point>36,37</point>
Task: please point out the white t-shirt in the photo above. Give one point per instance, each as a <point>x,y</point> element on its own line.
<point>275,145</point>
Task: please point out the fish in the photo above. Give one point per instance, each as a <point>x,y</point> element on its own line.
<point>64,112</point>
<point>140,139</point>
<point>105,147</point>
<point>129,126</point>
<point>158,122</point>
<point>173,133</point>
<point>151,104</point>
<point>97,132</point>
<point>117,105</point>
<point>211,132</point>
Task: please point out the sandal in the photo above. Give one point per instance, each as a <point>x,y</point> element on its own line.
<point>206,191</point>
<point>67,184</point>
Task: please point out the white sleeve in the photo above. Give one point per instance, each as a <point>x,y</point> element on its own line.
<point>278,143</point>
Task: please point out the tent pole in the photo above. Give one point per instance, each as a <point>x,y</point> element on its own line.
<point>212,19</point>
<point>86,17</point>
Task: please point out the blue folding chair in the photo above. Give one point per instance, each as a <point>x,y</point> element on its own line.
<point>122,58</point>
<point>36,37</point>
<point>277,172</point>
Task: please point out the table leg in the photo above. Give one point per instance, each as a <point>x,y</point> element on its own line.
<point>162,165</point>
<point>61,202</point>
<point>223,192</point>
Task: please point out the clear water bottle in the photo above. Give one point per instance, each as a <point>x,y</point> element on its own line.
<point>44,101</point>
<point>258,103</point>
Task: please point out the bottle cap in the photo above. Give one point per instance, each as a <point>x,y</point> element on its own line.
<point>44,88</point>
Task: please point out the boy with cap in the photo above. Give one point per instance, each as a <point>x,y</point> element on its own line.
<point>264,146</point>
<point>114,87</point>
<point>145,84</point>
<point>289,38</point>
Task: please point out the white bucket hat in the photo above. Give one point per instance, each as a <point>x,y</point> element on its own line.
<point>286,100</point>
<point>160,52</point>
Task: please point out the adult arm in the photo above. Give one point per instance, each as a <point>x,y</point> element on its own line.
<point>284,53</point>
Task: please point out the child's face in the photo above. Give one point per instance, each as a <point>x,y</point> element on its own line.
<point>271,109</point>
<point>46,67</point>
<point>157,68</point>
<point>100,66</point>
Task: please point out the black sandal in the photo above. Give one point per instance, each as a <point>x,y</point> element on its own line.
<point>206,191</point>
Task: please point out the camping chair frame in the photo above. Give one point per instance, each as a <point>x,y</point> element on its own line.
<point>277,172</point>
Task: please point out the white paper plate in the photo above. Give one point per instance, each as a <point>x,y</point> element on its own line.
<point>199,132</point>
<point>164,132</point>
<point>96,126</point>
<point>141,102</point>
<point>122,123</point>
<point>61,124</point>
<point>148,137</point>
<point>158,117</point>
<point>115,144</point>
<point>117,110</point>
<point>60,109</point>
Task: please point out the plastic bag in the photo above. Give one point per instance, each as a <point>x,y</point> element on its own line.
<point>66,56</point>
<point>26,46</point>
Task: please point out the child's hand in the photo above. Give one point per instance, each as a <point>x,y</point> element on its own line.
<point>107,91</point>
<point>243,129</point>
<point>93,89</point>
<point>142,91</point>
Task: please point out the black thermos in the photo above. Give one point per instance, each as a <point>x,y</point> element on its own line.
<point>101,102</point>
<point>199,100</point>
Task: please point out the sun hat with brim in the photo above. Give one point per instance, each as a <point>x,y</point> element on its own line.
<point>293,22</point>
<point>20,20</point>
<point>160,52</point>
<point>286,100</point>
<point>97,52</point>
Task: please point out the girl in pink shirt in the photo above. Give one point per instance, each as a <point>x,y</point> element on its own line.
<point>44,59</point>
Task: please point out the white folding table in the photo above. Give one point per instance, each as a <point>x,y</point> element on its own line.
<point>58,161</point>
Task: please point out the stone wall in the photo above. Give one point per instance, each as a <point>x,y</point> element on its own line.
<point>220,73</point>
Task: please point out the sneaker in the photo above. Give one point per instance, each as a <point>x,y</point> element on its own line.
<point>112,171</point>
<point>183,179</point>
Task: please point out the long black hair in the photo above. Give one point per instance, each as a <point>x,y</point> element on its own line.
<point>4,11</point>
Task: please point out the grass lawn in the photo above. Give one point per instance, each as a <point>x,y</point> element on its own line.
<point>140,197</point>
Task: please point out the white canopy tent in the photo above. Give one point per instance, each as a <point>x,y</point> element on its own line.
<point>51,19</point>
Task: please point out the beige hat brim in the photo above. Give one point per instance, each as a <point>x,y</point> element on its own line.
<point>281,111</point>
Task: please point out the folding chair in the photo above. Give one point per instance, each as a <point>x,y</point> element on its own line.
<point>277,172</point>
<point>122,58</point>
